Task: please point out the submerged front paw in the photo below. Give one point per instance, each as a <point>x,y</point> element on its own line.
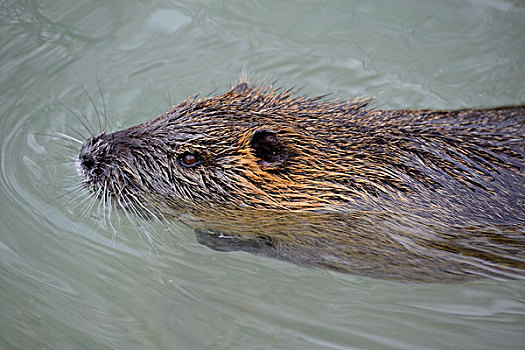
<point>217,240</point>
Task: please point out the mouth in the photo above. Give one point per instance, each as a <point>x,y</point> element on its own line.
<point>81,170</point>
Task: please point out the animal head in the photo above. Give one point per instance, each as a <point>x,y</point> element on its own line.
<point>253,147</point>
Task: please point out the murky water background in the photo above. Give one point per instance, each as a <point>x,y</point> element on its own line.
<point>71,281</point>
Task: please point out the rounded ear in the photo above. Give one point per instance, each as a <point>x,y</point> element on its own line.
<point>269,148</point>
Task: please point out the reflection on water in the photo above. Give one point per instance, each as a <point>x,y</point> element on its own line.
<point>71,281</point>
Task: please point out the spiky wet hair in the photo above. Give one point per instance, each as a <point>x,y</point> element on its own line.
<point>257,146</point>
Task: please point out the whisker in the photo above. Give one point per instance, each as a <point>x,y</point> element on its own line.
<point>89,207</point>
<point>89,199</point>
<point>106,120</point>
<point>58,135</point>
<point>110,211</point>
<point>67,193</point>
<point>139,214</point>
<point>68,137</point>
<point>79,118</point>
<point>95,108</point>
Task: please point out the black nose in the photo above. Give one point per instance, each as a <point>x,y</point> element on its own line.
<point>87,161</point>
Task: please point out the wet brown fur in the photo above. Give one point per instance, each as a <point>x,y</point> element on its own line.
<point>416,195</point>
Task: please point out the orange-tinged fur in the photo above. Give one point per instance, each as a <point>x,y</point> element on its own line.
<point>413,195</point>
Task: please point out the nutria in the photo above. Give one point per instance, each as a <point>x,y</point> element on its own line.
<point>418,195</point>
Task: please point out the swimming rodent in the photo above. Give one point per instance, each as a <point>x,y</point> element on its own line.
<point>416,195</point>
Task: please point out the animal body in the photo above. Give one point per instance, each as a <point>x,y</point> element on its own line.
<point>417,195</point>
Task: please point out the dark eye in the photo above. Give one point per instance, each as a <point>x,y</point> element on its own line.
<point>189,160</point>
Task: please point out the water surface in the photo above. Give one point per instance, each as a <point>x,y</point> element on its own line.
<point>72,280</point>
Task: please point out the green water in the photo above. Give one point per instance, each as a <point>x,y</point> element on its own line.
<point>72,280</point>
